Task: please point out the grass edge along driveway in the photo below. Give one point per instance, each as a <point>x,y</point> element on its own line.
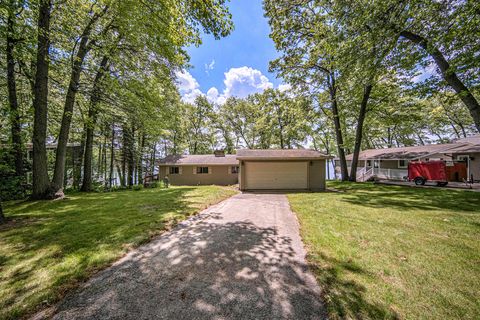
<point>393,252</point>
<point>51,246</point>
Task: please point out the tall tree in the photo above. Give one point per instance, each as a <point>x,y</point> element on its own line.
<point>2,216</point>
<point>84,46</point>
<point>90,124</point>
<point>444,32</point>
<point>41,183</point>
<point>16,130</point>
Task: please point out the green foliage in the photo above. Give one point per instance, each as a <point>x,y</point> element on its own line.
<point>11,186</point>
<point>341,46</point>
<point>138,187</point>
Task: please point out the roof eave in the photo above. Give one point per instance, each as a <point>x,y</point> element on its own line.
<point>198,164</point>
<point>285,158</point>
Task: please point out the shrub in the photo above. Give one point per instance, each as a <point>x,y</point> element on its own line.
<point>155,184</point>
<point>138,187</point>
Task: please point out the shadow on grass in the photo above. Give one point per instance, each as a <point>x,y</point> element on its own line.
<point>211,270</point>
<point>406,198</point>
<point>345,298</point>
<point>69,238</point>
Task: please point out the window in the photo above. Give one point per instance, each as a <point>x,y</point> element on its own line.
<point>201,170</point>
<point>402,163</point>
<point>174,170</point>
<point>369,163</point>
<point>376,163</point>
<point>234,169</point>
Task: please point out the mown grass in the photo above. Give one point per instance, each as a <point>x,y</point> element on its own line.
<point>386,252</point>
<point>49,246</point>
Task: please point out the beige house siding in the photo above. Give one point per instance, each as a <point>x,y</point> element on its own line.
<point>388,164</point>
<point>317,175</point>
<point>217,174</point>
<point>475,165</point>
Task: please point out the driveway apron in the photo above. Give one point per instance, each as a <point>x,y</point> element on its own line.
<point>240,259</point>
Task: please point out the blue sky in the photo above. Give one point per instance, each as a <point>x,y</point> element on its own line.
<point>236,65</point>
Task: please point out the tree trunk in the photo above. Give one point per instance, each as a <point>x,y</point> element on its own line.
<point>92,114</point>
<point>359,132</point>
<point>41,183</point>
<point>79,166</point>
<point>104,160</point>
<point>99,161</point>
<point>152,164</point>
<point>112,156</point>
<point>88,155</point>
<point>124,161</point>
<point>448,74</point>
<point>121,175</point>
<point>140,159</point>
<point>338,128</point>
<point>2,216</point>
<point>72,90</point>
<point>16,129</point>
<point>128,141</point>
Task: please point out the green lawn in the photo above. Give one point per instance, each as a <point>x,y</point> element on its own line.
<point>394,252</point>
<point>52,245</point>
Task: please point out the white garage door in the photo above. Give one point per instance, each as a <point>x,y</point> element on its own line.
<point>276,175</point>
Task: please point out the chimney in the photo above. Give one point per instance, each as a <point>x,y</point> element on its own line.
<point>219,153</point>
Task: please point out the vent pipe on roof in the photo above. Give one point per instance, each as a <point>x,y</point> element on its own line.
<point>219,153</point>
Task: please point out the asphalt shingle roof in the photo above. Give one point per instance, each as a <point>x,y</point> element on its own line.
<point>467,145</point>
<point>199,159</point>
<point>280,154</point>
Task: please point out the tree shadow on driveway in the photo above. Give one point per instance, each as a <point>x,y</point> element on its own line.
<point>211,270</point>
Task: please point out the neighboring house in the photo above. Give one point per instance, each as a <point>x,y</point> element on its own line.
<point>252,169</point>
<point>72,161</point>
<point>392,163</point>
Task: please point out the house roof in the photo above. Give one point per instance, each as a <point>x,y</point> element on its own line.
<point>475,140</point>
<point>466,145</point>
<point>280,154</point>
<point>29,145</point>
<point>198,159</point>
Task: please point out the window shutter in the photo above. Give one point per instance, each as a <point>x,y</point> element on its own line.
<point>167,170</point>
<point>209,170</point>
<point>229,170</point>
<point>194,170</point>
<point>179,170</point>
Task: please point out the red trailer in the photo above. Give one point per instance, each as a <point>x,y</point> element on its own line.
<point>421,172</point>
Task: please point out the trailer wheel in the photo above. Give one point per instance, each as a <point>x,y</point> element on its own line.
<point>419,181</point>
<point>442,183</point>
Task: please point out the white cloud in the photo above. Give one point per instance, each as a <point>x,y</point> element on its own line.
<point>188,86</point>
<point>186,82</point>
<point>239,82</point>
<point>209,66</point>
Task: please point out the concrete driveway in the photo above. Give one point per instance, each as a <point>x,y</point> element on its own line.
<point>240,259</point>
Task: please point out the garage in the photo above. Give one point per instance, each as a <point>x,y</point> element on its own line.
<point>285,169</point>
<point>276,175</point>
